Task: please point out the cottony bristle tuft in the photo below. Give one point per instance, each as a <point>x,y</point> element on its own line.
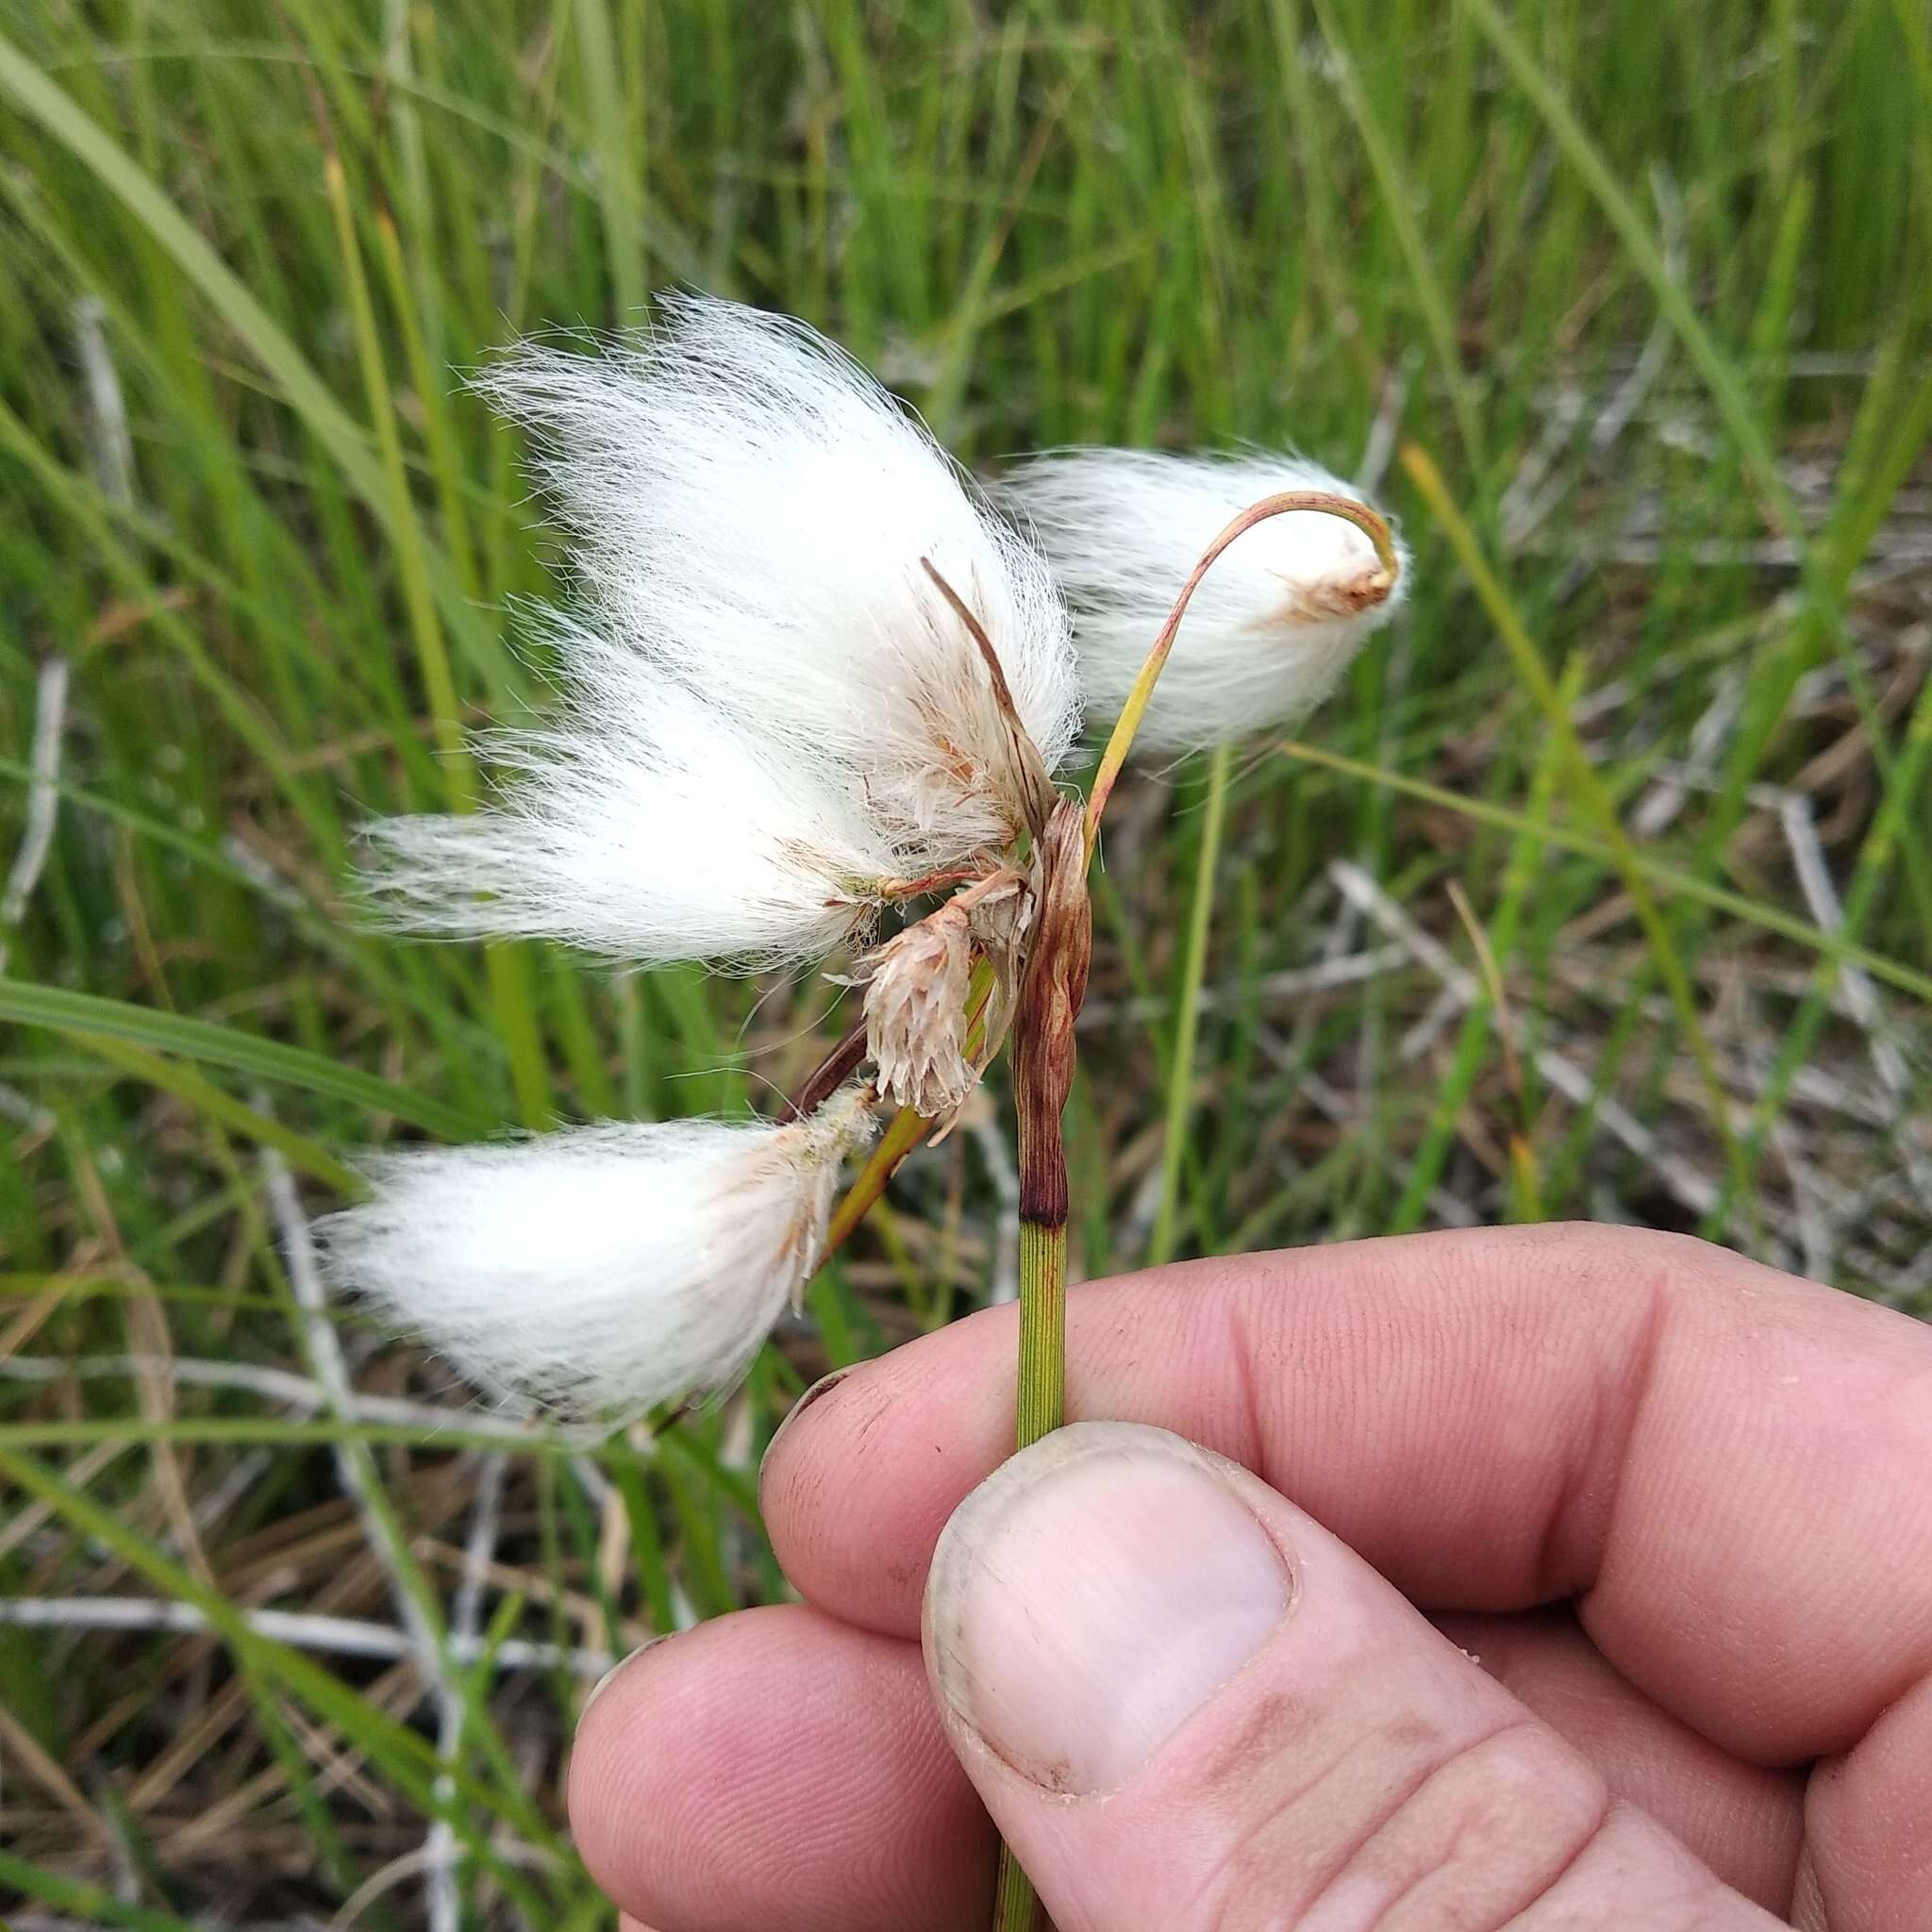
<point>600,1270</point>
<point>754,515</point>
<point>642,825</point>
<point>1272,624</point>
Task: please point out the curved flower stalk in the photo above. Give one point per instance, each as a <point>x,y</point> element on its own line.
<point>1270,631</point>
<point>601,1269</point>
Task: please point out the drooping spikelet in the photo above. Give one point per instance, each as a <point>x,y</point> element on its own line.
<point>1272,624</point>
<point>601,1269</point>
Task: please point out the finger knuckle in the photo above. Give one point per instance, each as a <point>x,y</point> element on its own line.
<point>1468,1834</point>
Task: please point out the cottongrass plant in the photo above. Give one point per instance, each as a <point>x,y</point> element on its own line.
<point>815,682</point>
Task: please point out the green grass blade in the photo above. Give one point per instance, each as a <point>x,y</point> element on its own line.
<point>224,1046</point>
<point>201,1093</point>
<point>85,1903</point>
<point>1667,878</point>
<point>405,1756</point>
<point>1181,1067</point>
<point>1587,784</point>
<point>58,112</point>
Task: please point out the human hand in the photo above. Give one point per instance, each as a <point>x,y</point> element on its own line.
<point>1679,1506</point>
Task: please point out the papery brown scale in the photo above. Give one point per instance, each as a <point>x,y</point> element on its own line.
<point>915,1014</point>
<point>1335,596</point>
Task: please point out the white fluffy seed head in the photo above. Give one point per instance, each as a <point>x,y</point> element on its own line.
<point>604,1269</point>
<point>749,512</point>
<point>642,825</point>
<point>1273,623</point>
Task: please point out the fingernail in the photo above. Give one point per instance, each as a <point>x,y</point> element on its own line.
<point>616,1671</point>
<point>1092,1595</point>
<point>823,1387</point>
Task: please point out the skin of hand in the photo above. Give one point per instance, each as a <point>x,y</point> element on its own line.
<point>1542,1578</point>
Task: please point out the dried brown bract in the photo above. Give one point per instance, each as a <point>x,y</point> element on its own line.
<point>915,1014</point>
<point>918,1017</point>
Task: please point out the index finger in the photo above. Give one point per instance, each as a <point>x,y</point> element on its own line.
<point>1729,1469</point>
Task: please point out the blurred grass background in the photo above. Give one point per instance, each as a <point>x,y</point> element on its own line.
<point>1603,889</point>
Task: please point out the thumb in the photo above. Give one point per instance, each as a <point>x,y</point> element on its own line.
<point>1186,1705</point>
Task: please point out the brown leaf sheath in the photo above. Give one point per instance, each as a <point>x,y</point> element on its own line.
<point>1044,1049</point>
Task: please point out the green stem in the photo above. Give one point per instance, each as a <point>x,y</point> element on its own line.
<point>1180,1071</point>
<point>1041,1404</point>
<point>1039,1408</point>
<point>1044,1049</point>
<point>1015,1904</point>
<point>1042,1062</point>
